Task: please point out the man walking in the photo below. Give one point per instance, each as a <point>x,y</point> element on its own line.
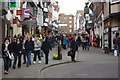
<point>73,48</point>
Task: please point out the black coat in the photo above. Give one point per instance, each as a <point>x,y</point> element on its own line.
<point>18,48</point>
<point>3,48</point>
<point>11,47</point>
<point>29,45</point>
<point>46,47</point>
<point>74,45</point>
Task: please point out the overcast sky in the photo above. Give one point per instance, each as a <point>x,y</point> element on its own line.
<point>71,6</point>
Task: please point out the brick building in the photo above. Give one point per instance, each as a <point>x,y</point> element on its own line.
<point>66,23</point>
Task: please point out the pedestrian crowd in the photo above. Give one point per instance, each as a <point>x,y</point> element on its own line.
<point>13,48</point>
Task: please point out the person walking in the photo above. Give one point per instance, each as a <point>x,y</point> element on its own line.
<point>5,55</point>
<point>29,46</point>
<point>24,51</point>
<point>87,41</point>
<point>11,49</point>
<point>64,41</point>
<point>37,47</point>
<point>106,44</point>
<point>73,48</point>
<point>118,41</point>
<point>46,47</point>
<point>79,40</point>
<point>17,53</point>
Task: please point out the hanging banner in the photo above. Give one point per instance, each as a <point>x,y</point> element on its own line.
<point>19,23</point>
<point>27,13</point>
<point>15,20</point>
<point>19,12</point>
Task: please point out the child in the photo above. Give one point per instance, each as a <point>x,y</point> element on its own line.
<point>106,47</point>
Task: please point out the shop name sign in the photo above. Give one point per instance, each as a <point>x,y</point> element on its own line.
<point>27,13</point>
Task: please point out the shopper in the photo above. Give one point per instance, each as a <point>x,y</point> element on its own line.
<point>29,46</point>
<point>118,41</point>
<point>37,47</point>
<point>24,51</point>
<point>5,55</point>
<point>73,48</point>
<point>11,49</point>
<point>17,53</point>
<point>64,41</point>
<point>46,47</point>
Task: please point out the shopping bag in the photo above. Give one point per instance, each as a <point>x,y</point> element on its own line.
<point>66,46</point>
<point>115,53</point>
<point>70,53</point>
<point>11,56</point>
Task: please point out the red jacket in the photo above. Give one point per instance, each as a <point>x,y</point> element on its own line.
<point>68,39</point>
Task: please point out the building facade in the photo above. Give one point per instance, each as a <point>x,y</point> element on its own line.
<point>79,27</point>
<point>66,23</point>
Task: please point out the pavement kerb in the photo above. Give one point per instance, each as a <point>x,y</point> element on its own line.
<point>56,65</point>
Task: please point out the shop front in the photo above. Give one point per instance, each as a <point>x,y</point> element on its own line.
<point>115,31</point>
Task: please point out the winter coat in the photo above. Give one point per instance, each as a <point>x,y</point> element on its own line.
<point>18,47</point>
<point>64,40</point>
<point>29,45</point>
<point>37,45</point>
<point>74,45</point>
<point>46,47</point>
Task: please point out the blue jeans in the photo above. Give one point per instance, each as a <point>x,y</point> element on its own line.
<point>29,58</point>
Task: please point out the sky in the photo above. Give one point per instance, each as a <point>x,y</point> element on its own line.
<point>71,6</point>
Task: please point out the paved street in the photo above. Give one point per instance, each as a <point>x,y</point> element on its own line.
<point>93,64</point>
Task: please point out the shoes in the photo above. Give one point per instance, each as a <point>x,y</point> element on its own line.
<point>74,60</point>
<point>6,72</point>
<point>19,66</point>
<point>39,62</point>
<point>13,67</point>
<point>34,62</point>
<point>24,62</point>
<point>27,66</point>
<point>46,63</point>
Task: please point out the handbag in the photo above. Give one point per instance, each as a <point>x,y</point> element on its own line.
<point>70,53</point>
<point>41,54</point>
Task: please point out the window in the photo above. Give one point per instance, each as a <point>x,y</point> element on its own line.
<point>70,26</point>
<point>70,17</point>
<point>70,21</point>
<point>65,18</point>
<point>70,30</point>
<point>62,21</point>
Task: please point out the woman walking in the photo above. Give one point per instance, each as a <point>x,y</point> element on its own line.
<point>37,46</point>
<point>46,47</point>
<point>5,55</point>
<point>29,46</point>
<point>64,41</point>
<point>11,50</point>
<point>18,53</point>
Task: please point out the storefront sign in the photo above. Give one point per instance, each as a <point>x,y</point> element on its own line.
<point>27,13</point>
<point>12,4</point>
<point>19,12</point>
<point>34,17</point>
